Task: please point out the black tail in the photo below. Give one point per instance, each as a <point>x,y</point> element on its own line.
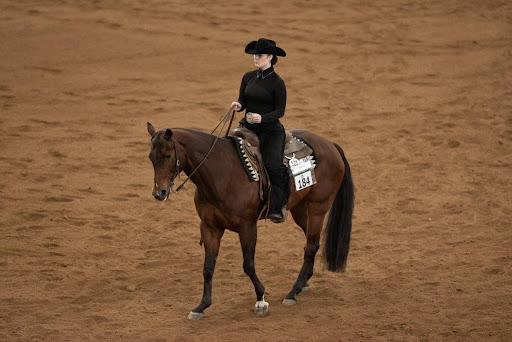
<point>339,225</point>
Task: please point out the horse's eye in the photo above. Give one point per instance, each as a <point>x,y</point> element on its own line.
<point>169,156</point>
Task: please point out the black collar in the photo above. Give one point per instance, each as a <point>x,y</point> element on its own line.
<point>263,74</point>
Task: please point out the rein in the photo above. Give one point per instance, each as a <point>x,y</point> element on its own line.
<point>223,121</point>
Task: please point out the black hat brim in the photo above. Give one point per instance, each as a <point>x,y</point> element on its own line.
<point>252,49</point>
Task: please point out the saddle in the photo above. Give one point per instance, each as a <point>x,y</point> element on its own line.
<point>294,146</point>
<point>247,145</point>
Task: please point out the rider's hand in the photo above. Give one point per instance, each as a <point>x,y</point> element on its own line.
<point>256,118</point>
<point>236,105</point>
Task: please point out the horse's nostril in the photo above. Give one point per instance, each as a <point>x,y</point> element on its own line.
<point>164,192</point>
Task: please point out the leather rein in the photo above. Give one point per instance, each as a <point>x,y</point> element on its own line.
<point>223,121</point>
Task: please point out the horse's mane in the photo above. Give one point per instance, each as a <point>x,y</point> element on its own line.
<point>201,133</point>
<point>196,131</point>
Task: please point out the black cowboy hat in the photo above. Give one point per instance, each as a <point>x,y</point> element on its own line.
<point>262,46</point>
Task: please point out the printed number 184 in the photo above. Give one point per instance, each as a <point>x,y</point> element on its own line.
<point>303,180</point>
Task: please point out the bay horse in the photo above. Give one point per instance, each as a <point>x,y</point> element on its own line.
<point>226,199</point>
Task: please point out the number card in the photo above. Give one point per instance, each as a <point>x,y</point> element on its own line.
<point>304,180</point>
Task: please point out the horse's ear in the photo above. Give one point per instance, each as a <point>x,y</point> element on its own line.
<point>151,129</point>
<point>168,134</point>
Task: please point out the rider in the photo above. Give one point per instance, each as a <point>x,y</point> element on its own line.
<point>263,96</point>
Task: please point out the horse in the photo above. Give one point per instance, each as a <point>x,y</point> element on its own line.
<point>226,199</point>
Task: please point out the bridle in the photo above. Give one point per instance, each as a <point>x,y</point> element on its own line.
<point>176,170</point>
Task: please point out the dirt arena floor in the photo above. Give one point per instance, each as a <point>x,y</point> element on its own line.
<point>418,93</point>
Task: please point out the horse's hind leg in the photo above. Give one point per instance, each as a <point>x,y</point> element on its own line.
<point>248,236</point>
<point>311,222</point>
<point>211,238</point>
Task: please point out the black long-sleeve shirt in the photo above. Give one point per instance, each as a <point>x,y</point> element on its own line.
<point>263,92</point>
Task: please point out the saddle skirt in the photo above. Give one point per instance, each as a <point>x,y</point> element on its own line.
<point>248,147</point>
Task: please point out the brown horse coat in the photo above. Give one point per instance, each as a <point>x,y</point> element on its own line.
<point>226,199</point>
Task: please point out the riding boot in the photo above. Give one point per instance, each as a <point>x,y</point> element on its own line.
<point>279,194</point>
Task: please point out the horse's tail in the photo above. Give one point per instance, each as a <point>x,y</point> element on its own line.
<point>339,224</point>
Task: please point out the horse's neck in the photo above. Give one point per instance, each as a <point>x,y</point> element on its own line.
<point>196,145</point>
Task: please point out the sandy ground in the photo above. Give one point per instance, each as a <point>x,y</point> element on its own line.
<point>419,94</point>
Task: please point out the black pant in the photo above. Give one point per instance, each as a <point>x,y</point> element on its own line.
<point>272,141</point>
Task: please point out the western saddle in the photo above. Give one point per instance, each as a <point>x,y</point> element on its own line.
<point>248,146</point>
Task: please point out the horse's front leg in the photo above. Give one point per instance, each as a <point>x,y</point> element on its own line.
<point>211,239</point>
<point>248,236</point>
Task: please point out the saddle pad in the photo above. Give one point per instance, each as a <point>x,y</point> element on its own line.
<point>248,164</point>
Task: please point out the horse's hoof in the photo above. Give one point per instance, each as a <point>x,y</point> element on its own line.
<point>288,301</point>
<point>305,289</point>
<point>261,308</point>
<point>195,316</point>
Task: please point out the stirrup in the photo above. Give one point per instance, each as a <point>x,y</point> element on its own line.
<point>278,217</point>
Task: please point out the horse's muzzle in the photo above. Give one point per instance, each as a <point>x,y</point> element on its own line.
<point>161,195</point>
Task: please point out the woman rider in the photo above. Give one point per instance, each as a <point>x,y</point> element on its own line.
<point>263,96</point>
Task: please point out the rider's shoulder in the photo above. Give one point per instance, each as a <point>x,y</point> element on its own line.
<point>279,80</point>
